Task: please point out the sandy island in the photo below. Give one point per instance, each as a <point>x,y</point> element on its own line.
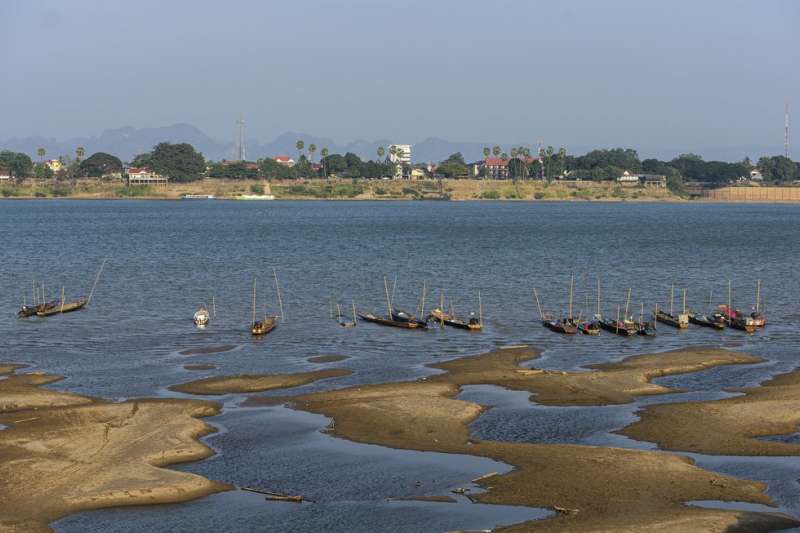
<point>200,366</point>
<point>255,382</point>
<point>64,453</point>
<point>208,349</point>
<point>730,426</point>
<point>596,488</point>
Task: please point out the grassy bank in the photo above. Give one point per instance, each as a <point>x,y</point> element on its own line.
<point>346,190</point>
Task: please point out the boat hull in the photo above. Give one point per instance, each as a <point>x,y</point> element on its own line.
<point>263,327</point>
<point>369,317</point>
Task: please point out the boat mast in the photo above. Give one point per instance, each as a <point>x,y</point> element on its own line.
<point>671,298</point>
<point>355,321</point>
<point>254,301</point>
<point>388,300</point>
<point>33,286</point>
<point>422,306</point>
<point>627,303</point>
<point>394,288</point>
<point>729,301</point>
<point>62,298</point>
<point>684,301</point>
<point>641,316</point>
<point>617,324</point>
<point>480,308</point>
<point>571,282</point>
<point>598,295</point>
<point>213,306</point>
<point>758,294</point>
<point>538,304</point>
<point>96,279</point>
<point>278,290</point>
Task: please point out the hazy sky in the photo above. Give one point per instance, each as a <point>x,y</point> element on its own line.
<point>632,73</point>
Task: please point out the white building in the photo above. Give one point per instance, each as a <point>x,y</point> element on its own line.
<point>145,176</point>
<point>5,174</point>
<point>400,153</point>
<point>628,179</point>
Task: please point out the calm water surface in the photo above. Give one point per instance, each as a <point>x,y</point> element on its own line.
<point>167,258</point>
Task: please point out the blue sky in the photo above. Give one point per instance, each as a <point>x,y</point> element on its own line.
<point>580,73</point>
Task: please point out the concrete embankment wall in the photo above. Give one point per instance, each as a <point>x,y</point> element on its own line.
<point>754,194</point>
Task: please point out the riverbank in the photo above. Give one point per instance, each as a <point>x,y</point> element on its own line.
<point>346,189</point>
<point>63,453</point>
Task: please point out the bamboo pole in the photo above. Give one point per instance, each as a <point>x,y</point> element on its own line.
<point>394,288</point>
<point>684,301</point>
<point>355,319</point>
<point>671,299</point>
<point>278,290</point>
<point>655,317</point>
<point>33,286</point>
<point>388,300</point>
<point>758,295</point>
<point>62,298</point>
<point>617,324</point>
<point>339,312</point>
<point>254,301</point>
<point>213,306</point>
<point>441,308</point>
<point>627,303</point>
<point>96,279</point>
<point>571,283</point>
<point>422,308</point>
<point>480,308</point>
<point>598,296</point>
<point>538,304</point>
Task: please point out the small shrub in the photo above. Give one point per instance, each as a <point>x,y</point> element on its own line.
<point>618,192</point>
<point>132,191</point>
<point>380,191</point>
<point>8,193</point>
<point>490,195</point>
<point>539,195</point>
<point>40,194</point>
<point>257,188</point>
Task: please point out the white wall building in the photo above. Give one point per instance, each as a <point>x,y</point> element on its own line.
<point>400,153</point>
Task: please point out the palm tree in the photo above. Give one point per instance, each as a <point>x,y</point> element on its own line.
<point>40,152</point>
<point>79,151</point>
<point>311,149</point>
<point>496,150</point>
<point>487,151</point>
<point>299,145</point>
<point>381,153</point>
<point>504,155</point>
<point>514,152</point>
<point>324,154</point>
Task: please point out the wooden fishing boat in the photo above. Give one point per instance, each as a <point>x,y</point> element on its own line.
<point>267,324</point>
<point>264,326</point>
<point>344,323</point>
<point>403,316</point>
<point>30,310</point>
<point>201,317</point>
<point>706,321</point>
<point>566,325</point>
<point>681,321</point>
<point>386,321</point>
<point>589,328</point>
<point>473,323</point>
<point>618,327</point>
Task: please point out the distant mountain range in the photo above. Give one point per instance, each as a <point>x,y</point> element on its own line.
<point>127,142</point>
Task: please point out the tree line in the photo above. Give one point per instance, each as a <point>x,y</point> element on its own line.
<point>182,163</point>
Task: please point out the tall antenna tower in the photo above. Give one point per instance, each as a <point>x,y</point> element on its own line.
<point>240,148</point>
<point>786,130</point>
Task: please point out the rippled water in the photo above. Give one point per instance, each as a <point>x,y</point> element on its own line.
<point>167,258</point>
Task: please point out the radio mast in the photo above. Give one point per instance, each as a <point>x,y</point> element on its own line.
<point>786,130</point>
<point>240,148</point>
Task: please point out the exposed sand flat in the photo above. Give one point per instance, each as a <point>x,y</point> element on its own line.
<point>22,391</point>
<point>602,489</point>
<point>608,383</point>
<point>200,366</point>
<point>59,460</point>
<point>208,349</point>
<point>255,382</point>
<point>730,426</point>
<point>327,358</point>
<point>7,368</point>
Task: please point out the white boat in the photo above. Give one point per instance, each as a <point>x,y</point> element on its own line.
<point>201,317</point>
<point>197,197</point>
<point>255,197</point>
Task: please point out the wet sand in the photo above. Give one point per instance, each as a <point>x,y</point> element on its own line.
<point>327,358</point>
<point>208,349</point>
<point>596,488</point>
<point>200,366</point>
<point>64,453</point>
<point>607,383</point>
<point>255,382</point>
<point>730,426</point>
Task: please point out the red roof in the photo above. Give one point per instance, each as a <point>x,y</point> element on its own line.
<point>139,170</point>
<point>496,162</point>
<point>282,158</point>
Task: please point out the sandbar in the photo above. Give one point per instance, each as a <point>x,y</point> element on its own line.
<point>245,383</point>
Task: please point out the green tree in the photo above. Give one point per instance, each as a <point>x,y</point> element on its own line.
<point>180,162</point>
<point>299,145</point>
<point>19,165</point>
<point>100,164</point>
<point>42,171</point>
<point>453,167</point>
<point>496,150</point>
<point>324,153</point>
<point>40,152</point>
<point>311,149</point>
<point>381,153</point>
<point>79,153</point>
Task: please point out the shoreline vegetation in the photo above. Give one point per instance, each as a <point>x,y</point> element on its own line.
<point>65,453</point>
<point>361,189</point>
